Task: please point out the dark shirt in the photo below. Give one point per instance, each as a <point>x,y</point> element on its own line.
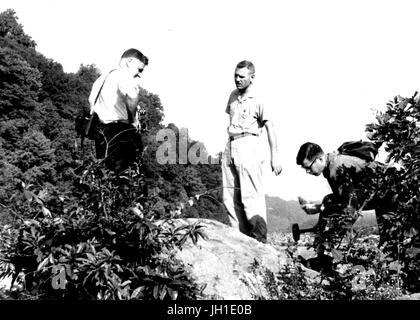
<point>344,174</point>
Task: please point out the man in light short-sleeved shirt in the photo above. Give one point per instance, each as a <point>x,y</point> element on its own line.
<point>114,98</point>
<point>243,190</point>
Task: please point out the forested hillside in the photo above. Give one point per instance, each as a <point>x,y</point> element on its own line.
<point>62,210</point>
<point>39,146</point>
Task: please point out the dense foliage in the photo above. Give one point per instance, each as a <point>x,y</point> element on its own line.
<point>356,266</point>
<point>38,143</point>
<point>61,208</point>
<point>361,272</point>
<point>398,129</point>
<point>103,247</point>
<point>393,263</point>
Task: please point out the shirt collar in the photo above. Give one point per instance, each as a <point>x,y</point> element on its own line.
<point>249,94</point>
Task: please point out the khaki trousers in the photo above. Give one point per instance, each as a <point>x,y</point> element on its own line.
<point>243,190</point>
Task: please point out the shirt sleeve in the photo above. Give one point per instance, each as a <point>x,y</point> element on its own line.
<point>264,112</point>
<point>230,100</point>
<point>346,179</point>
<point>342,188</point>
<point>94,91</point>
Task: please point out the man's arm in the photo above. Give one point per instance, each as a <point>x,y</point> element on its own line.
<point>134,116</point>
<point>312,208</point>
<point>94,93</point>
<point>345,186</point>
<point>131,90</point>
<point>272,139</point>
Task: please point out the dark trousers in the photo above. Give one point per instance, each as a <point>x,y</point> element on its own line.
<point>119,143</point>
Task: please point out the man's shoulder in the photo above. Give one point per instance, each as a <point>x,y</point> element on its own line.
<point>234,94</point>
<point>110,75</point>
<point>337,160</point>
<point>118,78</point>
<point>256,96</point>
<point>99,79</point>
<point>96,86</point>
<point>255,91</point>
<point>115,75</point>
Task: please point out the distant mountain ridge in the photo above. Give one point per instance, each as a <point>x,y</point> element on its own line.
<point>281,214</point>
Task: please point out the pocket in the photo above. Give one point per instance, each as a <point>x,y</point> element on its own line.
<point>244,116</point>
<point>244,112</point>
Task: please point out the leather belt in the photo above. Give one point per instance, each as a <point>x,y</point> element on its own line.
<point>118,121</point>
<point>241,135</point>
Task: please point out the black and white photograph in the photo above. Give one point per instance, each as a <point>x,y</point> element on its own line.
<point>209,156</point>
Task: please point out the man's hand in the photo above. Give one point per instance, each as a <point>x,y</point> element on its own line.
<point>272,140</point>
<point>136,124</point>
<point>275,166</point>
<point>302,201</point>
<point>310,208</point>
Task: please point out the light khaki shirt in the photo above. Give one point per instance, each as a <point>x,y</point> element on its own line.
<point>248,113</point>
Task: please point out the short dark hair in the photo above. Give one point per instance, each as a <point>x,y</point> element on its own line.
<point>246,64</point>
<point>308,150</point>
<point>134,53</point>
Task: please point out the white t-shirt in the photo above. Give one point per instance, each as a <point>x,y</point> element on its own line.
<point>120,92</point>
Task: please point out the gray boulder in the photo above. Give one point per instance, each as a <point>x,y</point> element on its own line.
<point>230,264</point>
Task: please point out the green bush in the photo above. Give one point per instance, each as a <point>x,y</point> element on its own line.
<point>398,129</point>
<point>105,246</point>
<point>396,185</point>
<point>360,271</point>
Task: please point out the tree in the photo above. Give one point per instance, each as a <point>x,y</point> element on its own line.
<point>11,30</point>
<point>35,157</point>
<point>398,129</point>
<point>19,86</point>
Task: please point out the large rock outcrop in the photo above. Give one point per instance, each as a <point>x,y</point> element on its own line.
<point>223,262</point>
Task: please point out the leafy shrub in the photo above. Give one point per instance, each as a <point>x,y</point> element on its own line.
<point>106,246</point>
<point>360,271</point>
<point>398,129</point>
<point>395,189</point>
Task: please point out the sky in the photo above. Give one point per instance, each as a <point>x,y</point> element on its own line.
<point>324,67</point>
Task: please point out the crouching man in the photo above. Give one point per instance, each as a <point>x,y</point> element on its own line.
<point>347,176</point>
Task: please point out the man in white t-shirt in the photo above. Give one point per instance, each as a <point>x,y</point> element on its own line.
<point>243,190</point>
<point>114,98</point>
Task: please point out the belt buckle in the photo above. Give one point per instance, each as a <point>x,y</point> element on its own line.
<point>240,135</point>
